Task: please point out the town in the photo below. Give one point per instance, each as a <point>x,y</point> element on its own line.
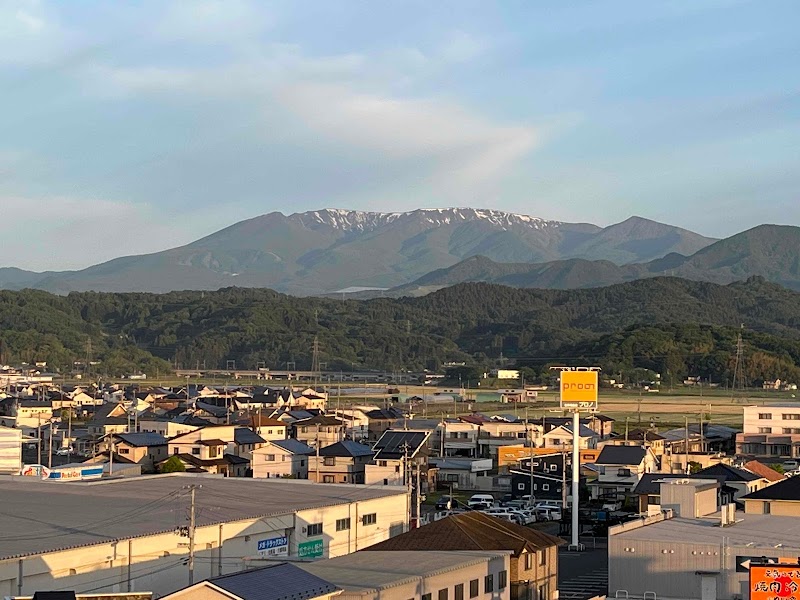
<point>131,488</point>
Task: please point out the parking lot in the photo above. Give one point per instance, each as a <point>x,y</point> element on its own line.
<point>583,575</point>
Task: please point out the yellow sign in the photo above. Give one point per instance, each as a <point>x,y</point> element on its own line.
<point>774,582</point>
<point>579,389</point>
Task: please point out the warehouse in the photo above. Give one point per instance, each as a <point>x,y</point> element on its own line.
<point>134,534</point>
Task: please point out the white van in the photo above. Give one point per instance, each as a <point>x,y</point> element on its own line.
<point>479,501</point>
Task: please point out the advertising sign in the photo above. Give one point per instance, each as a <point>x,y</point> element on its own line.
<point>774,582</point>
<point>75,473</point>
<point>312,549</point>
<point>276,546</point>
<point>35,471</point>
<point>579,389</point>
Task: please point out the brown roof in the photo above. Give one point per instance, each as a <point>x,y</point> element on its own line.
<point>264,421</point>
<point>763,470</point>
<point>471,531</point>
<point>215,442</point>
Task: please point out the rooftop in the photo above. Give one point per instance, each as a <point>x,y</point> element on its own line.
<point>281,581</point>
<point>788,489</point>
<point>101,511</point>
<point>142,439</point>
<point>470,531</point>
<point>372,571</point>
<point>761,532</point>
<point>620,455</point>
<point>346,448</point>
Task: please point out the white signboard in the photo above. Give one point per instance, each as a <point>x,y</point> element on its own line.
<point>275,546</point>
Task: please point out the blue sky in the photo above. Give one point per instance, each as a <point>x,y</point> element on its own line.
<point>130,127</point>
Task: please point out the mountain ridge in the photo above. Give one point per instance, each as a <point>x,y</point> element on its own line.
<point>318,252</point>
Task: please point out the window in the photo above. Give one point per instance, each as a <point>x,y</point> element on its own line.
<point>473,588</point>
<point>343,524</point>
<point>545,487</point>
<point>554,467</point>
<point>624,473</point>
<point>269,431</point>
<point>791,417</point>
<point>452,477</point>
<point>302,462</point>
<point>543,558</point>
<point>535,487</point>
<point>521,486</point>
<point>443,594</point>
<point>528,561</point>
<point>328,479</point>
<point>123,451</point>
<point>196,451</point>
<point>283,458</point>
<point>765,416</point>
<point>269,458</point>
<point>765,430</point>
<point>175,450</point>
<point>370,519</point>
<point>426,597</point>
<point>458,592</point>
<point>502,580</point>
<point>787,430</point>
<point>314,529</point>
<point>543,592</point>
<point>329,461</point>
<point>767,508</point>
<point>488,584</point>
<point>304,430</point>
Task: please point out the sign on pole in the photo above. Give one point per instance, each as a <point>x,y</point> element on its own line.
<point>774,581</point>
<point>579,389</point>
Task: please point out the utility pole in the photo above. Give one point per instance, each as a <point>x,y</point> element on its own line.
<point>564,481</point>
<point>50,447</point>
<point>686,442</point>
<point>39,439</point>
<point>530,469</point>
<point>417,515</point>
<point>190,530</point>
<point>316,449</point>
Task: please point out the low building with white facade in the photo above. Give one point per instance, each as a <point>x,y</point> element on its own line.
<point>131,534</point>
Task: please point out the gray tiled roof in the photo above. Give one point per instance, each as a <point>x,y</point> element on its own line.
<point>143,439</point>
<point>282,581</point>
<point>294,446</point>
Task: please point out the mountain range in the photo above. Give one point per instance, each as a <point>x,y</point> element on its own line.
<point>321,252</point>
<point>768,251</point>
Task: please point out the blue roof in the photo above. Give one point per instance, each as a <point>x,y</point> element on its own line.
<point>281,581</point>
<point>243,435</point>
<point>292,445</point>
<point>346,448</point>
<point>143,439</point>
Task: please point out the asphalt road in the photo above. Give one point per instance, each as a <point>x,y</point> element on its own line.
<point>583,575</point>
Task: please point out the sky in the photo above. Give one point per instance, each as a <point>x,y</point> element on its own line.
<point>131,127</point>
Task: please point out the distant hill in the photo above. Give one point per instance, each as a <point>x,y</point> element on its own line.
<point>664,324</point>
<point>324,251</point>
<point>768,251</point>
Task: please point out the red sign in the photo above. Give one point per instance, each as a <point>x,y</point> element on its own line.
<point>774,582</point>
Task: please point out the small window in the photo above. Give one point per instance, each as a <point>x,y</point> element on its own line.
<point>328,479</point>
<point>123,451</point>
<point>329,461</point>
<point>765,430</point>
<point>543,558</point>
<point>535,487</point>
<point>765,416</point>
<point>488,584</point>
<point>521,486</point>
<point>458,592</point>
<point>473,588</point>
<point>302,462</point>
<point>370,519</point>
<point>270,458</point>
<point>553,467</point>
<point>545,487</point>
<point>342,524</point>
<point>502,580</point>
<point>314,529</point>
<point>528,561</point>
<point>426,597</point>
<point>443,594</point>
<point>196,451</point>
<point>269,431</point>
<point>175,451</point>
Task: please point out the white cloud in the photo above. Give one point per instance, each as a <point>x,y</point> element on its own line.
<point>31,34</point>
<point>212,21</point>
<point>460,46</point>
<point>467,148</point>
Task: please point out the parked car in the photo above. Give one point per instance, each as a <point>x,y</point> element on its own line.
<point>612,505</point>
<point>446,502</point>
<point>480,501</point>
<point>66,451</point>
<point>506,500</point>
<point>548,512</point>
<point>530,515</point>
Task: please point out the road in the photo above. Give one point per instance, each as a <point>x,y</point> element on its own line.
<point>583,575</point>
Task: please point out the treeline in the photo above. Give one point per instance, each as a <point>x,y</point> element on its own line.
<point>666,325</point>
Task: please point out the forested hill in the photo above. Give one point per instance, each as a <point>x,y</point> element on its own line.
<point>663,324</point>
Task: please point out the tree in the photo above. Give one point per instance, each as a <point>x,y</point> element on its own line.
<point>694,467</point>
<point>172,465</point>
<point>778,467</point>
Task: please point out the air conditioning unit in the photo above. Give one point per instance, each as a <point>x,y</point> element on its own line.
<point>304,529</point>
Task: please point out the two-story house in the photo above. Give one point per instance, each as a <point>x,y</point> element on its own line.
<point>319,430</point>
<point>342,462</point>
<point>770,431</point>
<point>281,458</point>
<point>146,449</point>
<point>619,470</point>
<point>268,428</point>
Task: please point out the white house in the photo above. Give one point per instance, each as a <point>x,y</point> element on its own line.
<point>281,458</point>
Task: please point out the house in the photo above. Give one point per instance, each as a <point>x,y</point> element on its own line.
<point>397,452</point>
<point>539,485</point>
<point>268,428</point>
<point>642,437</point>
<point>319,430</point>
<point>227,465</point>
<point>533,569</point>
<point>281,458</point>
<point>461,473</point>
<point>245,441</point>
<point>619,470</point>
<point>342,462</point>
<point>146,449</point>
<point>152,423</point>
<point>561,437</point>
<point>762,470</point>
<point>277,581</point>
<point>647,492</point>
<point>740,481</point>
<point>782,498</point>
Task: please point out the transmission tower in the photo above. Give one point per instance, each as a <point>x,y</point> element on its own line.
<point>738,368</point>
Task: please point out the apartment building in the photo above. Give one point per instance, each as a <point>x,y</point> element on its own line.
<point>770,431</point>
